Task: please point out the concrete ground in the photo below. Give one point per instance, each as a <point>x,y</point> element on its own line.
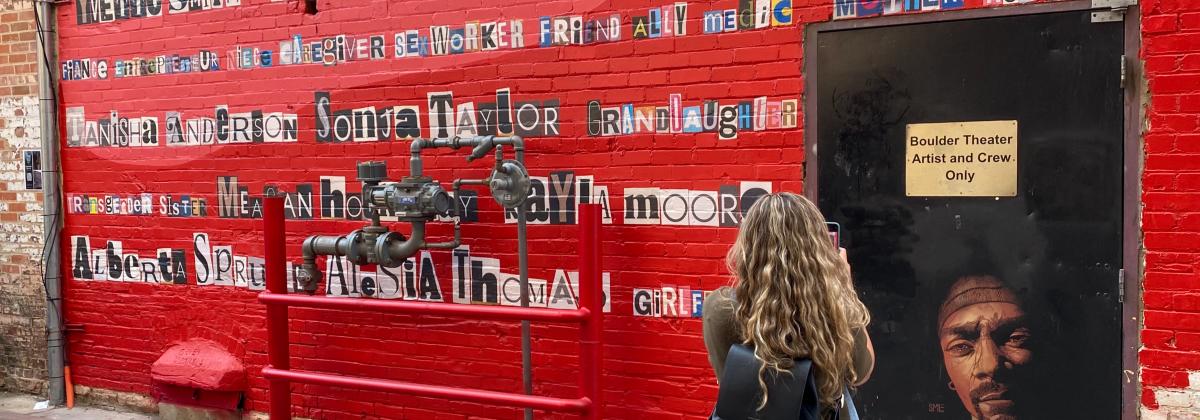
<point>21,407</point>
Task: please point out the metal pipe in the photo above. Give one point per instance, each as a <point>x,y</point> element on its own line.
<point>372,213</point>
<point>591,301</point>
<point>589,316</point>
<point>325,245</point>
<point>457,229</point>
<point>490,313</point>
<point>448,244</point>
<point>458,183</point>
<point>526,345</point>
<point>51,198</point>
<point>416,240</point>
<point>523,264</point>
<point>416,166</point>
<point>275,260</point>
<point>482,145</point>
<point>518,145</point>
<point>423,390</point>
<point>341,246</point>
<point>313,246</point>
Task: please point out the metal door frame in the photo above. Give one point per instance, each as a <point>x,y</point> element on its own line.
<point>1135,85</point>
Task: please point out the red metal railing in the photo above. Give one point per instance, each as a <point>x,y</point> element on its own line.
<point>589,315</point>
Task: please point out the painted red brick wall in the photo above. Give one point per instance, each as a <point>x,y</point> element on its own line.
<point>655,366</point>
<point>1170,355</point>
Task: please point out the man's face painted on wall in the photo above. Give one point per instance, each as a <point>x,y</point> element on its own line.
<point>985,347</point>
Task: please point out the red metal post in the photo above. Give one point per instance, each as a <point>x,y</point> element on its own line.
<point>277,315</point>
<point>591,299</point>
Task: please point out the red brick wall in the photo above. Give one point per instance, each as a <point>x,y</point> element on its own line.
<point>655,367</point>
<point>22,301</point>
<point>1171,338</point>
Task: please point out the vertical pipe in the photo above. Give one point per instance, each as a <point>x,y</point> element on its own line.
<point>591,298</point>
<point>523,264</point>
<point>415,165</point>
<point>277,315</point>
<point>48,110</point>
<point>526,345</point>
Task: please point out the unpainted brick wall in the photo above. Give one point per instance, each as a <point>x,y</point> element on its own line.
<point>1170,355</point>
<point>22,298</point>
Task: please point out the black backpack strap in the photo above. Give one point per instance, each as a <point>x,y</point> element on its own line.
<point>792,396</point>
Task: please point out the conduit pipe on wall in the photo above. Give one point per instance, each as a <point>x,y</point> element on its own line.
<point>518,146</point>
<point>52,277</point>
<point>481,146</point>
<point>509,183</point>
<point>416,199</point>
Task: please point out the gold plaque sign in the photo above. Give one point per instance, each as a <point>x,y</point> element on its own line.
<point>961,159</point>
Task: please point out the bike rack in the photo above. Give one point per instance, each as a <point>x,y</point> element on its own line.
<point>589,316</point>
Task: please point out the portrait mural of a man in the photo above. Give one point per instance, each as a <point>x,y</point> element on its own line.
<point>986,343</point>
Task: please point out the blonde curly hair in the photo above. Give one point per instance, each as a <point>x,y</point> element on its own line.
<point>795,298</point>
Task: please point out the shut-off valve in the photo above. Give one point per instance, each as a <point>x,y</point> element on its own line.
<point>416,199</point>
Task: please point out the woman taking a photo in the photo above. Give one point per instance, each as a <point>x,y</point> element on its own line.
<point>792,298</point>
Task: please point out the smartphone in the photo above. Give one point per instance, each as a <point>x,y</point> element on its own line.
<point>835,233</point>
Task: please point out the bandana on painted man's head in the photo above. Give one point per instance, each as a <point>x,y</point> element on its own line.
<point>973,290</point>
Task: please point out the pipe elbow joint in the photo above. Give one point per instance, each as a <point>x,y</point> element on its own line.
<point>393,250</point>
<point>309,273</point>
<point>308,276</point>
<point>416,146</point>
<point>313,246</point>
<point>518,143</point>
<point>400,251</point>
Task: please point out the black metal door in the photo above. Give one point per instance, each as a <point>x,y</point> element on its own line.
<point>1001,307</point>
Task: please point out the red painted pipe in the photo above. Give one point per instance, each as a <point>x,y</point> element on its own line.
<point>503,313</point>
<point>277,316</point>
<point>452,393</point>
<point>591,300</point>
